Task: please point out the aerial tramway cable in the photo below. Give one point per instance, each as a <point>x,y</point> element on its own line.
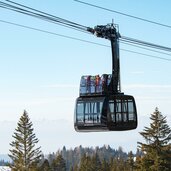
<point>66,23</point>
<point>41,15</point>
<point>124,14</point>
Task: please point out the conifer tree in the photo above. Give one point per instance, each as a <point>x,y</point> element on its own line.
<point>130,161</point>
<point>138,160</point>
<point>24,154</point>
<point>96,163</point>
<point>105,165</point>
<point>59,163</point>
<point>45,166</point>
<point>86,163</point>
<point>157,149</point>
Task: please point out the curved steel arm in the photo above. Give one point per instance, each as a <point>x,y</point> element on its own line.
<point>110,32</point>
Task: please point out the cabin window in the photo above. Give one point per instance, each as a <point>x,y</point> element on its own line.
<point>89,112</point>
<point>80,111</point>
<point>131,111</point>
<point>121,110</point>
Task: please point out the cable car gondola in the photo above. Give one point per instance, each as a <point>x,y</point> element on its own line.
<point>101,105</point>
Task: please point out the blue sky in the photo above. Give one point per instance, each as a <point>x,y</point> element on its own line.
<point>41,72</point>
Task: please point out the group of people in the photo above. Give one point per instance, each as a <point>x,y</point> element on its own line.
<point>94,84</point>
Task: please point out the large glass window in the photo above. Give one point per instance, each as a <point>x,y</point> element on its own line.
<point>80,112</point>
<point>89,111</point>
<point>121,110</point>
<point>131,111</point>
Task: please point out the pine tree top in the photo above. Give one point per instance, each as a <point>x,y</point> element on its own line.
<point>24,153</point>
<point>157,149</point>
<point>159,130</point>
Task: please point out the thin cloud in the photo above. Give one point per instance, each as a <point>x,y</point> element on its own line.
<point>34,101</point>
<point>143,86</point>
<point>137,72</point>
<point>152,98</point>
<point>60,86</point>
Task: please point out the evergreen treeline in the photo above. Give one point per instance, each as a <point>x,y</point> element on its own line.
<point>152,155</point>
<point>4,163</point>
<point>92,159</point>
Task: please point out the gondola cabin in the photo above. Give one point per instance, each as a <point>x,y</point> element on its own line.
<point>97,109</point>
<point>101,106</point>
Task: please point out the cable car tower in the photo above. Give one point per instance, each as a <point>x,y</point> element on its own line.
<point>101,105</point>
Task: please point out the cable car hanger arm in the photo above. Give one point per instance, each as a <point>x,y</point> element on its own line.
<point>110,32</point>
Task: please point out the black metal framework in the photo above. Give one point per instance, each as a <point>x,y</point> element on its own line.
<point>90,114</point>
<point>111,33</point>
<point>122,113</point>
<point>102,106</point>
<point>105,113</point>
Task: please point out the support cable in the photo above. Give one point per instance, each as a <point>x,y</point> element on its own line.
<point>124,14</point>
<point>66,23</point>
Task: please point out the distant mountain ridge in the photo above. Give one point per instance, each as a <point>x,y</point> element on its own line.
<point>5,157</point>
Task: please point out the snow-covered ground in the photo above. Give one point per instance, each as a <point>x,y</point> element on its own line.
<point>4,168</point>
